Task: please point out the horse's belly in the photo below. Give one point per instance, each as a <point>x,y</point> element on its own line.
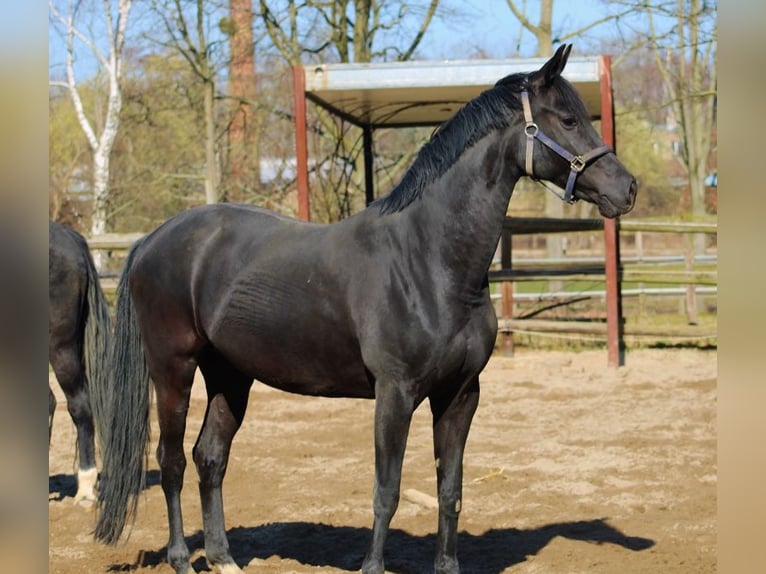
<point>313,374</point>
<point>311,360</point>
<point>321,387</point>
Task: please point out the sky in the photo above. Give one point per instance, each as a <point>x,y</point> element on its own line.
<point>499,29</point>
<point>487,27</point>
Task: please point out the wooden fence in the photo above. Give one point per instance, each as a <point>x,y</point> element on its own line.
<point>510,271</point>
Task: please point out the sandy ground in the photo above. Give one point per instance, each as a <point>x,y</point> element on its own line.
<point>571,467</point>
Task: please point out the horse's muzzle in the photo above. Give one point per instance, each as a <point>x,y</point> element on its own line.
<point>611,207</point>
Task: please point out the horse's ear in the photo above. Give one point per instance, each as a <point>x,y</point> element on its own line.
<point>552,68</point>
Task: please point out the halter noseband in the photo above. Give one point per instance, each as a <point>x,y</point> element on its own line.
<point>577,163</point>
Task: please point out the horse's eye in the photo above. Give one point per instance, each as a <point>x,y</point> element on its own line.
<point>569,122</point>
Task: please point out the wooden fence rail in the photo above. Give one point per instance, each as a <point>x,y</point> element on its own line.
<point>114,241</point>
<point>510,272</point>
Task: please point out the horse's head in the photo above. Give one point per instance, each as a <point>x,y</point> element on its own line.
<point>560,144</point>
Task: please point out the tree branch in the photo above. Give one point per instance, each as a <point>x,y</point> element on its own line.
<point>421,31</point>
<point>521,17</point>
<point>580,31</point>
<point>76,33</point>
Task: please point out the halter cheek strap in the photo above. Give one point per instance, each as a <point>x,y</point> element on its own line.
<point>577,163</point>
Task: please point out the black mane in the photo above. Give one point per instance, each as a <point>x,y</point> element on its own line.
<point>491,110</point>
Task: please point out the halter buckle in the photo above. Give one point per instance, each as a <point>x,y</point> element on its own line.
<point>531,129</point>
<point>577,164</point>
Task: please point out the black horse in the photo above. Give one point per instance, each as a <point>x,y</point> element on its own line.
<point>78,342</point>
<point>392,304</point>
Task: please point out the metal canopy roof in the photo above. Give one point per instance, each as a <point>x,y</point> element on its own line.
<point>419,93</point>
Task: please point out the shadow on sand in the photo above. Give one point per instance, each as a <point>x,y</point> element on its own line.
<point>343,547</point>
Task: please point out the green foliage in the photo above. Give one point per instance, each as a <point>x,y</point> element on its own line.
<point>227,26</point>
<point>640,148</point>
<point>69,164</point>
<point>156,167</point>
<point>158,158</point>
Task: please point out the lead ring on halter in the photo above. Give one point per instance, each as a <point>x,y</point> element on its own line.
<point>577,163</point>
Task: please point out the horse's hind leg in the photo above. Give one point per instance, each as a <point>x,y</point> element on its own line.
<point>69,372</point>
<point>227,391</point>
<point>452,417</point>
<point>173,388</point>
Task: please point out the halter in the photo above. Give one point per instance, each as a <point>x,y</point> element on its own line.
<point>577,163</point>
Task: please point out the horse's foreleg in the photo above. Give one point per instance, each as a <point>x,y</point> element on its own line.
<point>393,414</point>
<point>451,420</point>
<point>172,404</point>
<point>228,392</point>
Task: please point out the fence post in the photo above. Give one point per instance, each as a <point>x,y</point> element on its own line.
<point>691,289</point>
<point>615,351</point>
<point>639,240</point>
<point>506,289</point>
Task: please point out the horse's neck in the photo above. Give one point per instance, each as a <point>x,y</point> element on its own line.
<point>465,209</point>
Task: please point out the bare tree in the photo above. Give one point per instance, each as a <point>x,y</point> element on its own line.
<point>115,15</point>
<point>686,61</point>
<point>186,25</point>
<point>545,36</point>
<point>685,56</point>
<point>344,31</point>
<point>682,36</point>
<point>543,31</point>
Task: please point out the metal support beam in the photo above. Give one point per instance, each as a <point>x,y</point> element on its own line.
<point>301,145</point>
<point>369,190</point>
<point>614,328</point>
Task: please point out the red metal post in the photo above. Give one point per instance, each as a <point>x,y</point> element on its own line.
<point>301,145</point>
<point>611,232</point>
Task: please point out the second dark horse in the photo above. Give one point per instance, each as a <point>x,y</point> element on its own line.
<point>78,340</point>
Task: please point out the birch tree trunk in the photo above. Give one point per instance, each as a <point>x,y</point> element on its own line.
<point>110,63</point>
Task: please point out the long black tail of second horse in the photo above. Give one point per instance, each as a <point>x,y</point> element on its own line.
<point>124,453</point>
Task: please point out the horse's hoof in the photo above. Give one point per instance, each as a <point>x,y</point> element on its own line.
<point>447,566</point>
<point>86,503</point>
<point>373,568</point>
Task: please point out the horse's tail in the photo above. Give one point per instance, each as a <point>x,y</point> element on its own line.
<point>125,441</point>
<point>96,339</point>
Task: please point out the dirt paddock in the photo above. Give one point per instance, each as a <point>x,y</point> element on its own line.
<point>570,467</point>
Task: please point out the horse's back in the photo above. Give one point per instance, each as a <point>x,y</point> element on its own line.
<point>67,277</point>
<point>210,242</point>
<point>67,251</point>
